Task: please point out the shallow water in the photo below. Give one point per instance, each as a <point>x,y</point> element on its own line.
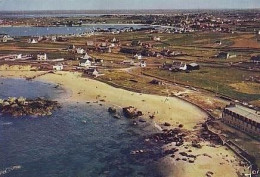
<point>62,145</point>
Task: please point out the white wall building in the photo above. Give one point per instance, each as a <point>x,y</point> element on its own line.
<point>58,67</point>
<point>85,63</point>
<point>42,57</point>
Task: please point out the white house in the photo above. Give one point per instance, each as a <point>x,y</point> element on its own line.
<point>32,41</point>
<point>58,67</point>
<point>138,56</point>
<point>18,56</point>
<point>114,40</point>
<point>80,51</point>
<point>5,38</point>
<point>42,56</point>
<point>112,45</point>
<point>85,63</point>
<point>143,64</point>
<point>86,56</point>
<point>53,38</point>
<point>92,72</point>
<point>177,65</point>
<point>156,38</point>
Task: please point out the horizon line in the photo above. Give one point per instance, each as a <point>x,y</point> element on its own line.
<point>130,9</point>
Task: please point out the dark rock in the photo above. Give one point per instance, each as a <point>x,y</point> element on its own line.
<point>180,126</point>
<point>131,112</point>
<point>191,161</point>
<point>23,107</point>
<point>112,110</point>
<point>142,120</point>
<point>167,124</point>
<point>195,144</point>
<point>116,116</point>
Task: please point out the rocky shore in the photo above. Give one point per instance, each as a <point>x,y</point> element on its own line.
<point>17,107</point>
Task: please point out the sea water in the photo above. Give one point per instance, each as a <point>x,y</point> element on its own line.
<point>78,140</point>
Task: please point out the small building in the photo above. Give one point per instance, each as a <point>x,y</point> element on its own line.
<point>178,66</point>
<point>90,43</point>
<point>156,82</point>
<point>136,43</point>
<point>167,66</point>
<point>85,63</point>
<point>18,56</point>
<point>99,61</point>
<point>53,38</point>
<point>114,40</point>
<point>138,56</point>
<point>86,56</point>
<point>218,42</point>
<point>225,55</point>
<point>92,72</point>
<point>255,59</point>
<point>193,66</point>
<point>32,41</point>
<point>143,64</point>
<point>242,118</point>
<point>156,38</point>
<point>42,57</point>
<point>103,44</point>
<point>128,62</point>
<point>58,67</point>
<point>112,45</point>
<point>71,47</point>
<point>5,38</point>
<point>80,51</point>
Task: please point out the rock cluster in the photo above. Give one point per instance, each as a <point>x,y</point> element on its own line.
<point>21,106</point>
<point>132,112</point>
<point>169,136</point>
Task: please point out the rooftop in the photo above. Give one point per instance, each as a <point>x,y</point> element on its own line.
<point>245,112</point>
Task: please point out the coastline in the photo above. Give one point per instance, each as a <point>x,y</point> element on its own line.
<point>83,25</point>
<point>172,110</point>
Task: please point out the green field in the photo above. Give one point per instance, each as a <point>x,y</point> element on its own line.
<point>215,79</point>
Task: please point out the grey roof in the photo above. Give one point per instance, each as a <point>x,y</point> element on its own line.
<point>245,112</point>
<point>193,64</point>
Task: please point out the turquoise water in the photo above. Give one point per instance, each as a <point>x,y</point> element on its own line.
<point>63,146</point>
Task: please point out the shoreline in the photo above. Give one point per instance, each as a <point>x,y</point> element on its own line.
<point>174,110</point>
<point>83,25</point>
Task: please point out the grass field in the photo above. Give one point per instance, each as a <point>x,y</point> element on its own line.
<point>219,80</point>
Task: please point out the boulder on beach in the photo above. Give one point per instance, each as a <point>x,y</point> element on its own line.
<point>112,110</point>
<point>132,112</point>
<point>167,124</point>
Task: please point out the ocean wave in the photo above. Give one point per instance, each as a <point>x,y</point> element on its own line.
<point>7,123</point>
<point>9,169</point>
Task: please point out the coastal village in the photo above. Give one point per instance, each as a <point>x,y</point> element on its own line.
<point>209,60</point>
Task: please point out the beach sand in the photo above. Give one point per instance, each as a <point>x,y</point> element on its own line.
<point>218,160</point>
<point>172,110</point>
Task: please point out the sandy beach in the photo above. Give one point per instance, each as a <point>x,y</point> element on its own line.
<point>220,161</point>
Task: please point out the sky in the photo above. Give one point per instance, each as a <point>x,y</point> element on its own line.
<point>20,5</point>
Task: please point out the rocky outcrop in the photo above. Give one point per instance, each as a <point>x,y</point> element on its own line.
<point>18,107</point>
<point>131,112</point>
<point>168,136</point>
